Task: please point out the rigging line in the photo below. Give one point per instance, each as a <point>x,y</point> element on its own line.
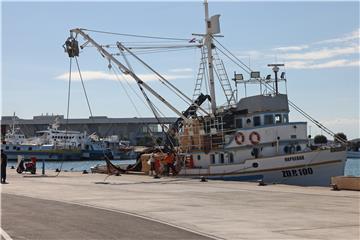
<point>142,52</point>
<point>302,112</point>
<point>134,35</point>
<point>132,89</point>
<point>161,47</point>
<point>156,111</point>
<point>127,94</point>
<point>306,115</point>
<point>141,99</point>
<point>162,79</point>
<point>83,86</point>
<point>232,54</point>
<point>234,61</point>
<point>152,46</point>
<point>67,113</point>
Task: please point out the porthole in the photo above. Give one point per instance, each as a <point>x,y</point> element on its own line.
<point>255,165</point>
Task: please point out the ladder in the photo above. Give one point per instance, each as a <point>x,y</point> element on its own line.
<point>223,78</point>
<point>201,73</point>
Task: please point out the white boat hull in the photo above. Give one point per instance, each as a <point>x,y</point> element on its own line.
<point>308,168</point>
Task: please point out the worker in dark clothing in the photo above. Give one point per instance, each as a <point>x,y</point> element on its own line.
<point>3,167</point>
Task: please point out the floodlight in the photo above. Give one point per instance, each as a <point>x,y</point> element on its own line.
<point>282,76</point>
<point>255,74</point>
<point>268,77</point>
<point>239,77</point>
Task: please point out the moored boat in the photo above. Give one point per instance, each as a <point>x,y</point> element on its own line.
<point>249,139</point>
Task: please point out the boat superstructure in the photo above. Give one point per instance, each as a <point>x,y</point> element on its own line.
<point>55,144</point>
<point>251,138</point>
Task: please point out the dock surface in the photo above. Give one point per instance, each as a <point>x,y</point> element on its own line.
<point>84,206</point>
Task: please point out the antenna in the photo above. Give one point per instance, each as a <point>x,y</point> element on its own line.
<point>276,70</point>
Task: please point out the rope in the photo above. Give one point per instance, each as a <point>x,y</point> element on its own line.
<point>83,86</point>
<point>135,35</point>
<point>67,113</point>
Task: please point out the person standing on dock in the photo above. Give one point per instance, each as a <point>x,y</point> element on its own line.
<point>3,166</point>
<point>152,164</point>
<point>169,159</point>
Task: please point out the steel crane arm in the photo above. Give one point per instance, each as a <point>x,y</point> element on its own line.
<point>126,70</point>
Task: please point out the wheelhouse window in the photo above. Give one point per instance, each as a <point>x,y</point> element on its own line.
<point>257,121</point>
<point>269,119</point>
<point>278,118</point>
<point>222,158</point>
<point>212,159</point>
<point>231,158</point>
<point>238,123</point>
<point>285,118</point>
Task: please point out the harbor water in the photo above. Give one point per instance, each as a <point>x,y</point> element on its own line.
<point>352,167</point>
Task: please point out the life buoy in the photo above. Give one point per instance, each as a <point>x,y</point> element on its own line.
<point>254,138</point>
<point>239,138</point>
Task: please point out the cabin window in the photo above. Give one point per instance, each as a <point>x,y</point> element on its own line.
<point>277,118</point>
<point>285,118</point>
<point>30,148</point>
<point>268,119</point>
<point>231,158</point>
<point>238,123</point>
<point>7,148</point>
<point>14,148</point>
<point>212,159</point>
<point>222,158</point>
<point>293,136</point>
<point>257,121</point>
<point>198,157</point>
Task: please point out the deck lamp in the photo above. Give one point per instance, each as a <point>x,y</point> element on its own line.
<point>255,74</point>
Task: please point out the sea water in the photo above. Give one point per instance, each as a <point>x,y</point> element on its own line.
<point>352,167</point>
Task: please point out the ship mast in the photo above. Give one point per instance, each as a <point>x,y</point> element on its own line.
<point>209,44</point>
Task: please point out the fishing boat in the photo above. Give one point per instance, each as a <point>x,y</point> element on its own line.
<point>249,138</point>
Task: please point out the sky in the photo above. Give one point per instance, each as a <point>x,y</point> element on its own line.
<point>317,41</point>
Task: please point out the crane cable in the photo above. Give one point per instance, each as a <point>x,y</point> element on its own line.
<point>67,113</point>
<point>135,35</point>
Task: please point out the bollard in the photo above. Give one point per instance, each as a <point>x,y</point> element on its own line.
<point>43,167</point>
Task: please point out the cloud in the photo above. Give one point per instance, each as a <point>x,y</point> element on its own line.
<point>323,53</point>
<point>177,70</point>
<point>354,35</point>
<point>99,75</point>
<point>328,64</point>
<point>291,48</point>
<point>343,51</point>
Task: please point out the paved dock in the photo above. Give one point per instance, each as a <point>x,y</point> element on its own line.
<point>140,207</point>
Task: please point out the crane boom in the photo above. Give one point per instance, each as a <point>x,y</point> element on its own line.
<point>126,70</point>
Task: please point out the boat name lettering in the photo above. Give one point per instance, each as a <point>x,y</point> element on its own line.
<point>295,158</point>
<point>297,172</point>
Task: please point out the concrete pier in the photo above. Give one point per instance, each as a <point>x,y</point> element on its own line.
<point>181,208</point>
